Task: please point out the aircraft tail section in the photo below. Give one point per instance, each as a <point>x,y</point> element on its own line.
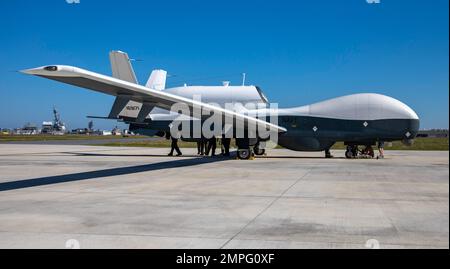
<point>122,69</point>
<point>121,66</point>
<point>124,107</point>
<point>157,80</point>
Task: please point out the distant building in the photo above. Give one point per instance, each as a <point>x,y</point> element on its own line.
<point>105,132</point>
<point>116,131</point>
<point>28,129</point>
<point>47,127</point>
<point>91,126</point>
<point>5,131</point>
<point>80,131</point>
<point>57,127</point>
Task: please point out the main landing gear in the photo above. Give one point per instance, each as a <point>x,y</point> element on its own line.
<point>259,150</point>
<point>244,154</point>
<point>354,152</point>
<point>248,148</point>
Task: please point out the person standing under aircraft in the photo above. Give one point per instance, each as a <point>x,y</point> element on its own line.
<point>226,146</point>
<point>328,153</point>
<point>206,147</point>
<point>201,145</point>
<point>173,145</point>
<point>381,149</point>
<point>212,144</point>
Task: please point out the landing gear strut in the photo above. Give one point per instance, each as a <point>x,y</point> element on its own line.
<point>258,150</point>
<point>353,152</point>
<point>368,151</point>
<point>244,154</point>
<point>245,148</point>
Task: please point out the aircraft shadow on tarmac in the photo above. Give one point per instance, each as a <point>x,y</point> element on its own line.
<point>131,155</point>
<point>42,181</point>
<point>299,157</point>
<point>233,155</point>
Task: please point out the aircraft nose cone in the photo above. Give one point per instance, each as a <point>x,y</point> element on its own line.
<point>411,114</point>
<point>413,126</point>
<point>414,123</point>
<point>404,110</point>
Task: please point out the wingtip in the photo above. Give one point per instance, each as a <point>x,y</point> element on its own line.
<point>27,71</point>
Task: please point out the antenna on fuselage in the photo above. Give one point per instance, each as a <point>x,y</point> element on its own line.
<point>243,79</point>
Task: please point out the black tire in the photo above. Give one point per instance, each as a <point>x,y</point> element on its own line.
<point>244,154</point>
<point>348,154</point>
<point>258,151</point>
<point>370,152</point>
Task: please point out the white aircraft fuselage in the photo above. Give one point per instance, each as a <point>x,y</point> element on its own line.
<point>358,119</point>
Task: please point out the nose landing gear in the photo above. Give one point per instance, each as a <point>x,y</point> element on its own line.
<point>259,150</point>
<point>351,152</point>
<point>354,152</point>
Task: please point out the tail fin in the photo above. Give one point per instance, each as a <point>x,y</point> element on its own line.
<point>122,69</point>
<point>157,80</point>
<point>121,66</point>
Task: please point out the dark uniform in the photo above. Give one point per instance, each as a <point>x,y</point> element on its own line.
<point>226,146</point>
<point>212,144</point>
<point>174,146</point>
<point>201,145</point>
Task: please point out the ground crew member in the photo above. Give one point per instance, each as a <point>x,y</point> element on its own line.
<point>381,149</point>
<point>226,146</point>
<point>174,146</point>
<point>201,145</point>
<point>212,144</point>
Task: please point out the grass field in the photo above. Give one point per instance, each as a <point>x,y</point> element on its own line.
<point>12,138</point>
<point>419,144</point>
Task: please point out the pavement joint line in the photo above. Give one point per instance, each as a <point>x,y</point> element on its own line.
<point>397,231</point>
<point>152,195</point>
<point>345,242</point>
<point>219,238</point>
<point>67,153</point>
<point>408,193</point>
<point>267,207</point>
<point>118,234</point>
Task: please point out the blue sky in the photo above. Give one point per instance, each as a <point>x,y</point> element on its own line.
<point>298,52</point>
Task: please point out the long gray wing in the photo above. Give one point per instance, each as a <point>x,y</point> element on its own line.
<point>116,87</point>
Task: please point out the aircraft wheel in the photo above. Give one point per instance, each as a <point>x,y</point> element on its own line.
<point>349,154</point>
<point>244,154</point>
<point>258,151</point>
<point>370,152</point>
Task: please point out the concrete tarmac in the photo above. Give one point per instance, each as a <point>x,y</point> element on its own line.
<point>58,196</point>
<point>84,141</point>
